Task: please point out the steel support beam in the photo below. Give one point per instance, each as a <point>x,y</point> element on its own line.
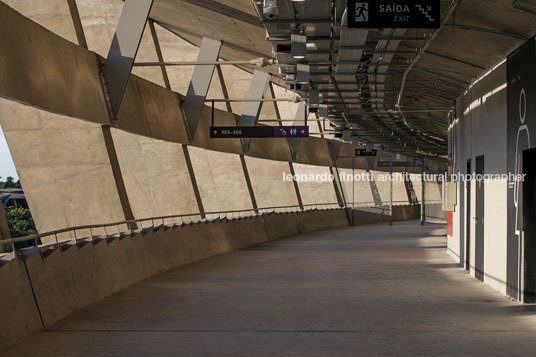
<point>296,186</point>
<point>252,110</point>
<point>194,181</point>
<point>106,130</point>
<point>248,183</point>
<point>423,200</point>
<point>337,187</point>
<point>407,184</point>
<point>200,84</point>
<point>118,176</point>
<point>224,89</point>
<point>334,150</point>
<point>375,192</point>
<point>338,178</point>
<point>257,89</point>
<point>247,177</point>
<point>290,165</point>
<point>319,123</point>
<point>301,116</point>
<point>159,54</point>
<point>391,193</point>
<point>185,151</point>
<point>75,16</point>
<point>123,50</point>
<point>334,147</point>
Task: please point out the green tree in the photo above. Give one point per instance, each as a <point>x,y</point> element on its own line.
<point>21,224</point>
<point>10,183</point>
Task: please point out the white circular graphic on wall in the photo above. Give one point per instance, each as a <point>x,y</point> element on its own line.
<point>522,106</point>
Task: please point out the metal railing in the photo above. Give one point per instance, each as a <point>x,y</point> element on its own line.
<point>137,225</point>
<point>373,204</point>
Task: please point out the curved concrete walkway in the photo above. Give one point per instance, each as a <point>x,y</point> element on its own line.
<point>360,291</point>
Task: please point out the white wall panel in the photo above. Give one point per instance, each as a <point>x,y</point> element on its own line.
<point>481,130</point>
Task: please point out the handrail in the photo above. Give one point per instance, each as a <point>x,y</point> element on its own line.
<point>134,222</point>
<point>386,202</point>
<point>130,223</point>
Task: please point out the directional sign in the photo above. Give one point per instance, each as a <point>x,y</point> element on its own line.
<point>400,164</point>
<point>364,152</point>
<point>394,13</point>
<point>291,131</point>
<point>226,132</point>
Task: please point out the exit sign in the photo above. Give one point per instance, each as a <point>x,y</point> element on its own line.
<point>394,14</point>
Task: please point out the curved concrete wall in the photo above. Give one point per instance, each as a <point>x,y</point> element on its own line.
<point>268,185</point>
<point>155,175</point>
<point>63,166</point>
<point>357,191</point>
<point>221,180</point>
<point>89,271</point>
<point>19,316</point>
<point>318,191</point>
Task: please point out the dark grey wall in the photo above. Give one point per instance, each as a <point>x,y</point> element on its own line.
<point>521,76</point>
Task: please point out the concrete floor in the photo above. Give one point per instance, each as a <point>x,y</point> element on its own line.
<point>360,291</point>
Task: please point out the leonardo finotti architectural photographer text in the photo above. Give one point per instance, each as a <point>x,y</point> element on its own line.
<point>399,176</point>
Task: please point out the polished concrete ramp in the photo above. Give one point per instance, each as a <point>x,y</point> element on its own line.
<point>361,291</point>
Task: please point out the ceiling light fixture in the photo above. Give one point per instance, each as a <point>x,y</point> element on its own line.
<point>303,73</point>
<point>298,46</point>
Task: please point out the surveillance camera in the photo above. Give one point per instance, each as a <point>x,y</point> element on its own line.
<point>270,9</point>
<point>271,12</point>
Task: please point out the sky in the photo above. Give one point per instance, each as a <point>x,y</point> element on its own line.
<point>7,167</point>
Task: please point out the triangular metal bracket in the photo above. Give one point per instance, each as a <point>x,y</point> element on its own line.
<point>334,150</point>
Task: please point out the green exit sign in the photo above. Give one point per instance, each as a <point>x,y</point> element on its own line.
<point>425,14</point>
